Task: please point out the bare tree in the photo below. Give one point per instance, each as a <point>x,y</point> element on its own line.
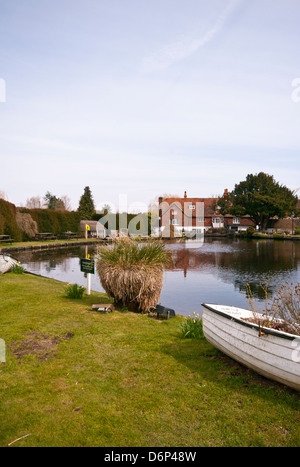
<point>67,202</point>
<point>35,202</point>
<point>169,195</point>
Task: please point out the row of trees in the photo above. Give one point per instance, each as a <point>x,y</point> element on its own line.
<point>49,201</point>
<point>86,207</point>
<point>259,196</point>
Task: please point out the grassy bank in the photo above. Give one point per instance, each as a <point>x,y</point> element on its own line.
<point>45,244</point>
<point>78,377</point>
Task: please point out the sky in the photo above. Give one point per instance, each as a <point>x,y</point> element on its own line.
<point>138,98</point>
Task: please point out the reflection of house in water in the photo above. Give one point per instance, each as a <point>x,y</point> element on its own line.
<point>190,259</point>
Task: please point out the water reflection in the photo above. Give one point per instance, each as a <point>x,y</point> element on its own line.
<point>216,271</point>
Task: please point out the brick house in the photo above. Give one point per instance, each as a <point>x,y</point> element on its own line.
<point>196,216</point>
<point>288,224</point>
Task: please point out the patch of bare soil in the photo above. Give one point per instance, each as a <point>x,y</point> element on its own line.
<point>38,344</point>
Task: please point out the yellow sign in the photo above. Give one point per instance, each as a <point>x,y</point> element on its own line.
<point>87,256</point>
<point>87,227</point>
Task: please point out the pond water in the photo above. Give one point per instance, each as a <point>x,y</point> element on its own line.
<point>214,271</point>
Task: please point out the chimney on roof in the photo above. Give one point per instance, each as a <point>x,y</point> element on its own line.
<point>185,195</point>
<point>226,192</point>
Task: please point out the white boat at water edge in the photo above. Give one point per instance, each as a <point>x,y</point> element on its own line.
<point>271,353</point>
<point>7,262</point>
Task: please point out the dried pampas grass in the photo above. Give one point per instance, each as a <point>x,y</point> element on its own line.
<point>132,274</point>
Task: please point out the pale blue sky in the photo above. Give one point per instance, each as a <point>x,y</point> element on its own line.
<point>144,97</point>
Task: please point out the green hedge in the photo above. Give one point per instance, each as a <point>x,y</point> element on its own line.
<point>55,222</point>
<point>46,219</point>
<point>8,224</point>
<point>116,218</point>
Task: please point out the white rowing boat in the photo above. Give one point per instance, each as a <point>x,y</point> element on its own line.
<point>7,262</point>
<point>271,353</point>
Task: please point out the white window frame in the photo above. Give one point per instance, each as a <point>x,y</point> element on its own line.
<point>236,220</point>
<point>217,220</point>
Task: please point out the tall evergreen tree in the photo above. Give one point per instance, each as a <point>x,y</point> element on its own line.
<point>50,200</point>
<point>86,206</point>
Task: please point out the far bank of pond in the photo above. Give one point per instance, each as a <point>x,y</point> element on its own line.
<point>214,271</point>
<point>70,243</point>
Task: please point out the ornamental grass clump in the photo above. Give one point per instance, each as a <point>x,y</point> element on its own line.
<point>132,273</point>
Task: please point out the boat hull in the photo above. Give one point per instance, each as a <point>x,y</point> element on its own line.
<point>273,354</point>
<point>7,262</point>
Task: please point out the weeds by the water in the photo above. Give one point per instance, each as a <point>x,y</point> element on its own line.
<point>256,309</point>
<point>286,305</point>
<point>282,311</point>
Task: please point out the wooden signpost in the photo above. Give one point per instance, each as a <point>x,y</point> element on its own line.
<point>88,266</point>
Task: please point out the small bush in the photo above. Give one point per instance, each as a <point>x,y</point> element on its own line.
<point>249,233</point>
<point>74,291</point>
<point>278,235</point>
<point>297,231</point>
<point>18,269</point>
<point>243,234</point>
<point>251,230</point>
<point>259,235</point>
<point>192,327</point>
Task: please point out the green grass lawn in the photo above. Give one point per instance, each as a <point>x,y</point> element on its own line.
<point>78,377</point>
